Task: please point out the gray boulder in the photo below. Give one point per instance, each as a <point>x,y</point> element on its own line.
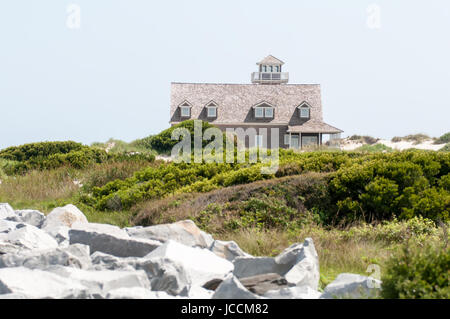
<point>184,232</point>
<point>73,256</point>
<point>352,286</point>
<point>29,216</point>
<point>303,292</point>
<point>64,216</point>
<point>260,284</point>
<point>6,211</point>
<point>298,264</point>
<point>36,284</point>
<point>25,237</point>
<point>59,233</point>
<point>196,292</point>
<point>111,240</point>
<point>200,265</point>
<point>101,282</point>
<point>227,249</point>
<point>137,293</point>
<point>231,288</point>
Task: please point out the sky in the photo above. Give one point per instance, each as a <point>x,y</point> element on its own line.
<point>89,70</point>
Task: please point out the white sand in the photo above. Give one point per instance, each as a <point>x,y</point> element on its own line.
<point>349,145</point>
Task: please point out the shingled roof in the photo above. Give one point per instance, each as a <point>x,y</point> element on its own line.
<point>314,127</point>
<point>270,60</point>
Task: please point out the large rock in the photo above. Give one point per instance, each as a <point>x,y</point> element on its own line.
<point>200,265</point>
<point>184,232</point>
<point>73,256</point>
<point>196,292</point>
<point>100,283</point>
<point>25,237</point>
<point>227,249</point>
<point>28,216</point>
<point>303,292</point>
<point>260,284</point>
<point>64,216</point>
<point>231,288</point>
<point>352,286</point>
<point>111,240</point>
<point>6,211</point>
<point>34,283</point>
<point>59,233</point>
<point>298,264</point>
<point>137,293</point>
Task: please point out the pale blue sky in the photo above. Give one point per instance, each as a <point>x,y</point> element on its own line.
<point>111,77</point>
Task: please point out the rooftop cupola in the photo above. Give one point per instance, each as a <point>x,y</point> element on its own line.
<point>270,72</point>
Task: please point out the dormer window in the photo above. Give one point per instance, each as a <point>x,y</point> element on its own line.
<point>211,109</point>
<point>304,110</point>
<point>263,110</point>
<point>185,109</point>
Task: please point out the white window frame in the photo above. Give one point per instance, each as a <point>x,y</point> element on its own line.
<point>265,112</point>
<point>256,112</point>
<point>287,139</point>
<point>184,108</point>
<point>211,108</point>
<point>305,108</point>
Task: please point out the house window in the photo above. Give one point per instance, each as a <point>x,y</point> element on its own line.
<point>264,112</point>
<point>258,140</point>
<point>259,112</point>
<point>287,139</point>
<point>212,111</point>
<point>185,111</point>
<point>304,112</point>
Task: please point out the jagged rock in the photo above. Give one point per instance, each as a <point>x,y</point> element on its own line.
<point>6,211</point>
<point>352,286</point>
<point>212,284</point>
<point>184,232</point>
<point>101,282</point>
<point>59,233</point>
<point>303,292</point>
<point>36,284</point>
<point>231,288</point>
<point>227,249</point>
<point>200,265</point>
<point>6,226</point>
<point>298,264</point>
<point>103,261</point>
<point>137,293</point>
<point>111,240</point>
<point>260,284</point>
<point>64,216</point>
<point>28,216</point>
<point>25,237</point>
<point>73,256</point>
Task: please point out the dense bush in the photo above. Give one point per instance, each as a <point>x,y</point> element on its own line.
<point>443,139</point>
<point>362,186</point>
<point>418,273</point>
<point>163,142</point>
<point>51,155</point>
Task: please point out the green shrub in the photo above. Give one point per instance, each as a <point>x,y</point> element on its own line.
<point>443,139</point>
<point>374,148</point>
<point>446,148</point>
<point>418,273</point>
<point>163,142</point>
<point>416,138</point>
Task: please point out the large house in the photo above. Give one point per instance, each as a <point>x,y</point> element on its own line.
<point>268,102</point>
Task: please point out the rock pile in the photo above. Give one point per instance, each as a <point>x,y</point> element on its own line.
<point>62,255</point>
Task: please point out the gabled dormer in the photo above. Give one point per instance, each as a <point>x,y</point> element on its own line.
<point>185,109</point>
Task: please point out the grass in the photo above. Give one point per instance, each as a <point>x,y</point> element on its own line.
<point>416,138</point>
<point>374,148</point>
<point>118,146</point>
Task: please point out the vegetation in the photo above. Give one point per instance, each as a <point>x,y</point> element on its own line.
<point>51,155</point>
<point>374,148</point>
<point>416,138</point>
<point>418,273</point>
<point>443,139</point>
<point>364,139</point>
<point>370,206</point>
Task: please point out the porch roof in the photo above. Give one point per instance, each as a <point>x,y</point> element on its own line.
<point>314,127</point>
